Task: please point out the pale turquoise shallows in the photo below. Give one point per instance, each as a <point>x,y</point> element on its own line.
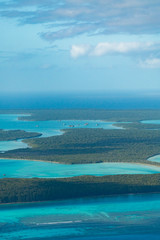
<point>110,218</point>
<point>151,121</point>
<point>29,169</point>
<point>155,158</point>
<point>9,145</point>
<point>46,128</point>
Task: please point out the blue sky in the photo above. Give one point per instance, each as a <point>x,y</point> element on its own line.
<point>79,45</point>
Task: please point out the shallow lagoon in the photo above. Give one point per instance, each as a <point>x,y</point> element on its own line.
<point>9,145</point>
<point>123,217</point>
<point>46,128</point>
<point>151,121</point>
<point>155,158</point>
<point>29,169</point>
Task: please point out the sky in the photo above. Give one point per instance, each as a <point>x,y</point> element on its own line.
<point>79,45</point>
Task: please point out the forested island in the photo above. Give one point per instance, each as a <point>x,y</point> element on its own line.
<point>36,189</point>
<point>86,114</point>
<point>92,146</point>
<point>16,135</point>
<point>134,142</point>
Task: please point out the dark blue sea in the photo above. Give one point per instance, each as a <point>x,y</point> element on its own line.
<point>96,100</point>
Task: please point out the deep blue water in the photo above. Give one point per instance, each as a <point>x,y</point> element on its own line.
<point>106,100</point>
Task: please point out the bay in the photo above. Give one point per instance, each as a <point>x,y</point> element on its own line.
<point>151,122</point>
<point>28,169</point>
<point>46,128</point>
<point>155,158</point>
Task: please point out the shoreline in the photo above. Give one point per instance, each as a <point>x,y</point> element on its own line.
<point>78,198</point>
<point>34,160</point>
<point>38,160</point>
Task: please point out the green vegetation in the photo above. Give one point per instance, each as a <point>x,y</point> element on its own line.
<point>136,143</point>
<point>92,114</point>
<point>16,134</point>
<point>92,145</point>
<point>87,114</point>
<point>138,125</point>
<point>28,190</point>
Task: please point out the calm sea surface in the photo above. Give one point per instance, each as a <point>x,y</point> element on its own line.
<point>29,169</point>
<point>123,217</point>
<point>155,158</point>
<point>103,100</point>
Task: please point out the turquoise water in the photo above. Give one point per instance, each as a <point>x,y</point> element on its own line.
<point>151,121</point>
<point>123,217</point>
<point>155,158</point>
<point>9,145</point>
<point>47,128</point>
<point>29,169</point>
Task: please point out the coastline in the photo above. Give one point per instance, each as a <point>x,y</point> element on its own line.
<point>34,160</point>
<point>38,160</point>
<point>78,198</point>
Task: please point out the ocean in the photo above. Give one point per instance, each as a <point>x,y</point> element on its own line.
<point>96,100</point>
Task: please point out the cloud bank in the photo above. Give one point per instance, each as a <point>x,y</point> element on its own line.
<point>105,48</point>
<point>85,17</point>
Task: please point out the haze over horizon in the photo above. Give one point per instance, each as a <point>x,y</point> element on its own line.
<point>78,45</point>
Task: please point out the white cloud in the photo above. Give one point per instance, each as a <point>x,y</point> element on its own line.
<point>79,50</point>
<point>109,48</point>
<point>122,47</point>
<point>151,63</point>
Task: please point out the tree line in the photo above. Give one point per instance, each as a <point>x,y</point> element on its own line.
<point>29,190</point>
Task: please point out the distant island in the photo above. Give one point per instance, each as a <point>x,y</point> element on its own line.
<point>135,142</point>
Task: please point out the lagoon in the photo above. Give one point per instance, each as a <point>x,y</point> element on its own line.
<point>155,158</point>
<point>112,218</point>
<point>9,145</point>
<point>28,169</point>
<point>151,122</point>
<point>46,128</point>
